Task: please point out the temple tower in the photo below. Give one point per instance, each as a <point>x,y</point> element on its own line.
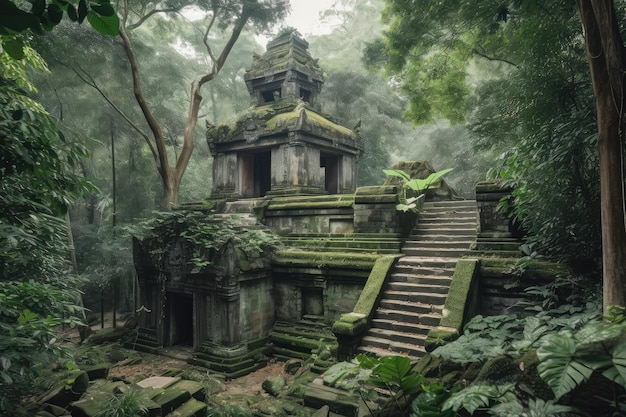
<point>283,144</point>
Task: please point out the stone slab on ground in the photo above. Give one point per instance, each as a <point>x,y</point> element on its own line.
<point>339,401</point>
<point>158,382</point>
<point>171,398</point>
<point>194,388</point>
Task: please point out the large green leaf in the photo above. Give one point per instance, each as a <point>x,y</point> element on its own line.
<point>559,366</point>
<point>107,25</point>
<point>14,47</point>
<point>397,173</point>
<point>14,20</point>
<point>429,182</point>
<point>476,396</point>
<point>395,370</point>
<point>617,371</point>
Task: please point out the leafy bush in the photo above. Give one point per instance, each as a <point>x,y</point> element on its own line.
<point>206,234</point>
<point>418,185</point>
<point>229,410</point>
<point>393,374</point>
<point>125,404</point>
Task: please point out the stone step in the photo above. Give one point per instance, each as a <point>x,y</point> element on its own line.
<point>410,307</point>
<point>434,251</point>
<point>170,399</point>
<point>463,212</point>
<point>400,279</point>
<point>406,269</point>
<point>397,336</point>
<point>448,244</point>
<point>373,351</point>
<point>428,262</point>
<point>414,288</point>
<point>400,348</point>
<point>430,231</point>
<point>400,326</point>
<point>452,225</point>
<point>436,237</point>
<point>446,219</point>
<point>191,408</point>
<point>416,297</point>
<point>434,205</point>
<point>431,318</point>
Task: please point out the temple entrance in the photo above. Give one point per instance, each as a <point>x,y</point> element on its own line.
<point>255,173</point>
<point>330,164</point>
<point>180,323</point>
<point>312,302</point>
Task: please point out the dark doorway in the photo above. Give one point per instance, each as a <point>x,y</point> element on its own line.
<point>330,163</point>
<point>256,174</point>
<point>180,319</point>
<point>312,302</point>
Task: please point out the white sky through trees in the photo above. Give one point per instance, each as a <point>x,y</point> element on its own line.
<point>306,16</point>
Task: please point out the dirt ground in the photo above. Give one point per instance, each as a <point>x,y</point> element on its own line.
<point>154,365</point>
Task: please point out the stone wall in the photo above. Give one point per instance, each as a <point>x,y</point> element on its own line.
<point>310,214</point>
<point>493,222</point>
<point>375,212</point>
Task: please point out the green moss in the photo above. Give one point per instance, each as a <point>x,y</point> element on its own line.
<point>439,336</point>
<point>242,260</point>
<point>350,324</point>
<point>325,259</point>
<point>374,284</point>
<point>459,294</point>
<point>492,187</point>
<point>376,190</point>
<point>498,370</point>
<point>356,322</point>
<point>311,202</point>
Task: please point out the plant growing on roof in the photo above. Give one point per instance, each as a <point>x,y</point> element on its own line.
<point>417,185</point>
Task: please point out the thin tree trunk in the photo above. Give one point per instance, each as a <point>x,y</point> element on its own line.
<point>606,62</point>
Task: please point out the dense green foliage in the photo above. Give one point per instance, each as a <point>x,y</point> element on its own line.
<point>17,18</point>
<point>37,183</point>
<point>516,73</point>
<point>125,404</point>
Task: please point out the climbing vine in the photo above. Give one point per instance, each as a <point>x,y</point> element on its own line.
<point>206,233</point>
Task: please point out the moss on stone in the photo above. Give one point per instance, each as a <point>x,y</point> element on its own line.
<point>439,336</point>
<point>350,324</point>
<point>492,187</point>
<point>325,259</point>
<point>498,370</point>
<point>459,294</point>
<point>311,202</point>
<point>356,322</point>
<point>376,190</point>
<point>367,300</point>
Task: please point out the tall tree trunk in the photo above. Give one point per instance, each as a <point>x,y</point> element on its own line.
<point>607,64</point>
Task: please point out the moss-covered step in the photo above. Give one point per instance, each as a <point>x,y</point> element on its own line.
<point>191,408</point>
<point>170,399</point>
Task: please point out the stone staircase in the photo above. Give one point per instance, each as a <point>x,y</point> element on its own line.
<point>414,296</point>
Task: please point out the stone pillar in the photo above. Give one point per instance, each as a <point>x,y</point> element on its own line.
<point>348,173</point>
<point>492,222</point>
<point>225,176</point>
<point>296,168</point>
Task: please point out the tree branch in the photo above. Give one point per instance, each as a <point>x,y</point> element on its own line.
<point>161,157</point>
<point>196,85</point>
<point>90,81</point>
<point>490,58</point>
<point>146,16</point>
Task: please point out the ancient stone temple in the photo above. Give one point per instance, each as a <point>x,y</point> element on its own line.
<point>283,145</point>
